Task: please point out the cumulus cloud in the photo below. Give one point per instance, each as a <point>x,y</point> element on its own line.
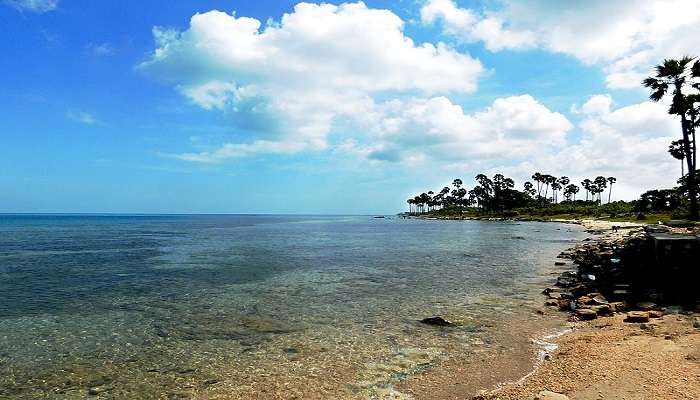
<point>627,142</point>
<point>473,27</point>
<point>291,81</point>
<point>626,38</point>
<point>512,127</point>
<point>36,6</point>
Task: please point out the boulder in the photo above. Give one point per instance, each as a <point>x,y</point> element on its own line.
<point>637,316</point>
<point>618,306</point>
<point>436,321</point>
<point>656,314</point>
<point>598,300</point>
<point>547,395</point>
<point>552,303</point>
<point>564,304</point>
<point>586,314</point>
<point>602,310</point>
<point>646,306</point>
<point>559,263</point>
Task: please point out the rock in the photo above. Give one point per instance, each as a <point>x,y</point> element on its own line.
<point>602,310</point>
<point>618,306</point>
<point>551,290</point>
<point>637,316</point>
<point>586,314</point>
<point>598,300</point>
<point>552,303</point>
<point>655,314</point>
<point>646,306</point>
<point>583,300</point>
<point>547,395</point>
<point>436,321</point>
<point>94,391</point>
<point>564,305</point>
<point>679,223</point>
<point>559,263</point>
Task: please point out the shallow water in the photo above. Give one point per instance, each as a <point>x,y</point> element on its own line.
<point>254,306</point>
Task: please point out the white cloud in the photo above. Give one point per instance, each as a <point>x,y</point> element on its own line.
<point>101,49</point>
<point>472,27</point>
<point>83,117</point>
<point>513,128</point>
<point>36,6</point>
<point>626,37</point>
<point>292,81</point>
<point>629,143</point>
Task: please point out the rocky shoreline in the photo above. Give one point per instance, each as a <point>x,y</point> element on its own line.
<point>628,304</point>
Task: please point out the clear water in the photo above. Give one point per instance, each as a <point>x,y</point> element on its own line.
<point>254,306</point>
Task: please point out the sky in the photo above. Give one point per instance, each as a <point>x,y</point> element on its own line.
<point>326,108</point>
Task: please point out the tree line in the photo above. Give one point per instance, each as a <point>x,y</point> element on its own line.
<point>498,193</point>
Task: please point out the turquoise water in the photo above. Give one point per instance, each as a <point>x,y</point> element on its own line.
<point>253,306</point>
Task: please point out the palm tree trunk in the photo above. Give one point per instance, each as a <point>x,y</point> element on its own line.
<point>609,193</point>
<point>690,159</point>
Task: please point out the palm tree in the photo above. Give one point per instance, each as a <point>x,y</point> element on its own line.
<point>601,183</point>
<point>676,151</point>
<point>678,75</point>
<point>529,189</point>
<point>537,177</point>
<point>548,179</point>
<point>586,183</point>
<point>611,180</point>
<point>555,190</point>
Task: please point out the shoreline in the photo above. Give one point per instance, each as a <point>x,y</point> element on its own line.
<point>601,358</point>
<point>591,360</point>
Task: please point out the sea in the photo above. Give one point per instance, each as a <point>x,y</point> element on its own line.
<point>265,306</point>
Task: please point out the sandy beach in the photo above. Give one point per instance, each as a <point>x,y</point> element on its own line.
<point>609,358</point>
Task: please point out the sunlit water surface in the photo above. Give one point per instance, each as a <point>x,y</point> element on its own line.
<point>254,306</point>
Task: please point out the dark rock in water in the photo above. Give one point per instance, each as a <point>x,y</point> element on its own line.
<point>436,321</point>
<point>559,263</point>
<point>94,391</point>
<point>637,316</point>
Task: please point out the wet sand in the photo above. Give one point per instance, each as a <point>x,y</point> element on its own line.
<point>611,359</point>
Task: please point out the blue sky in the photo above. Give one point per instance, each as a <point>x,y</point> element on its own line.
<point>328,111</point>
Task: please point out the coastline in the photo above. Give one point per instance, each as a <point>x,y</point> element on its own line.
<point>586,360</point>
<point>612,358</point>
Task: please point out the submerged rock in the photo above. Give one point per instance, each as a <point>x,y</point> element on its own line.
<point>436,321</point>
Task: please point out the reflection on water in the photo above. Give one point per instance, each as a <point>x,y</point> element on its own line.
<point>253,306</point>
